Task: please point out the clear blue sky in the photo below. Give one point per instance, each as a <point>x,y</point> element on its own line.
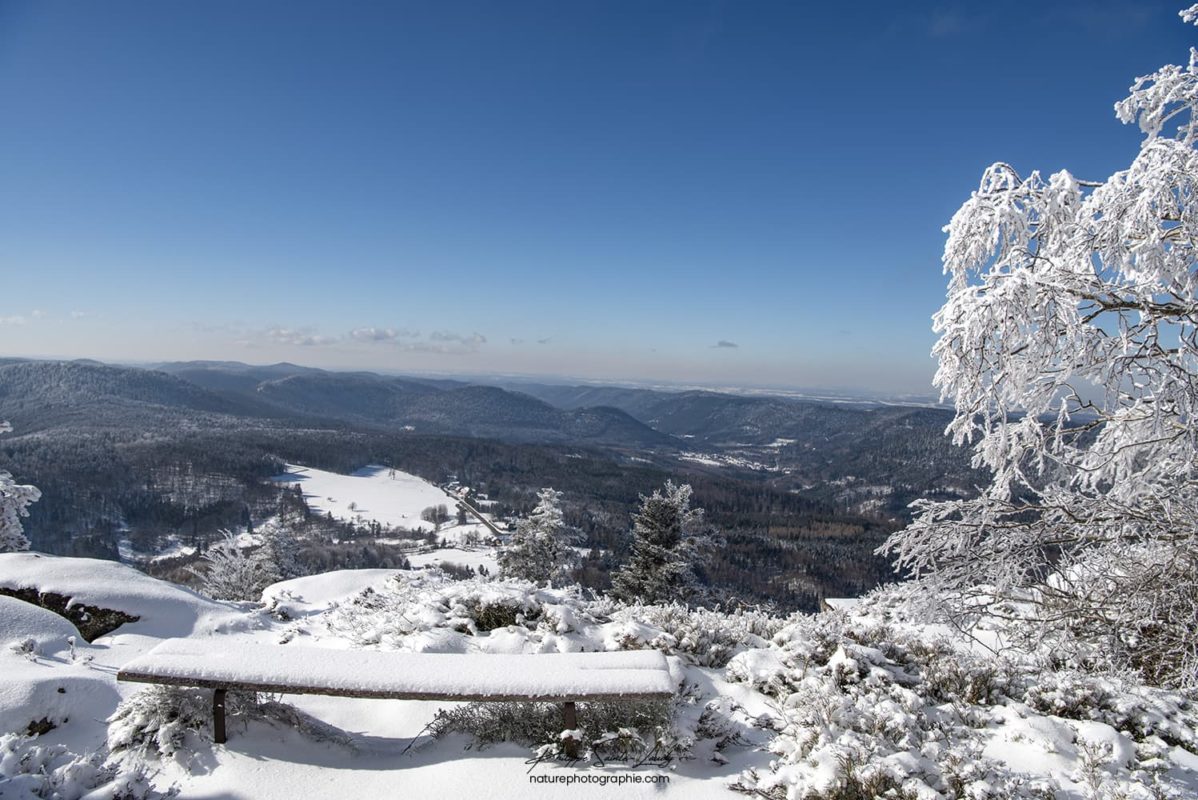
<point>594,189</point>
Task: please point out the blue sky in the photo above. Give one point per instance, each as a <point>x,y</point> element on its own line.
<point>603,190</point>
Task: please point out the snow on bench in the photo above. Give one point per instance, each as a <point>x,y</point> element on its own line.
<point>552,677</point>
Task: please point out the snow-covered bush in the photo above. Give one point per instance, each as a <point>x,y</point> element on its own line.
<point>29,770</point>
<point>230,572</point>
<point>15,500</point>
<point>159,720</point>
<point>617,731</point>
<point>708,638</point>
<point>868,702</point>
<point>718,728</point>
<point>414,603</point>
<point>1139,711</point>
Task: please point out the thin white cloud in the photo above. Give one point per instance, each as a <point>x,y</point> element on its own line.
<point>449,336</point>
<point>370,334</point>
<point>442,342</point>
<point>23,319</point>
<point>302,337</point>
<point>449,343</point>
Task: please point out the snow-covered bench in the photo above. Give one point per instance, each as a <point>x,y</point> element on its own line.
<point>564,678</point>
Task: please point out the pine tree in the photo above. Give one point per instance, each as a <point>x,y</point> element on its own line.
<point>14,503</point>
<point>667,535</point>
<point>541,548</point>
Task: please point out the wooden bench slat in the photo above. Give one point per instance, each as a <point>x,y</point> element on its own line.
<point>557,677</point>
<point>580,695</point>
<point>624,675</point>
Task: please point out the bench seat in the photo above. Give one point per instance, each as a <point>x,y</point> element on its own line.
<point>288,669</point>
<point>285,669</point>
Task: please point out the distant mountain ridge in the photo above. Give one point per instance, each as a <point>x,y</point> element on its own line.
<point>39,395</point>
<point>724,420</point>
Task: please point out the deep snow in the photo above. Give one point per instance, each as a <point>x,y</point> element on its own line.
<point>838,683</point>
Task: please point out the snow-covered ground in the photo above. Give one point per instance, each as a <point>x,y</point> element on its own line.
<point>387,496</point>
<point>728,460</point>
<point>799,707</point>
<point>473,557</point>
<point>171,548</point>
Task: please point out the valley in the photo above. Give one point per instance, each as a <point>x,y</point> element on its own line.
<point>151,464</point>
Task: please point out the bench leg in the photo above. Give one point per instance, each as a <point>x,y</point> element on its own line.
<point>218,716</point>
<point>570,721</point>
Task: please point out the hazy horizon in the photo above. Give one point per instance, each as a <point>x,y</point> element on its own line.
<point>563,379</point>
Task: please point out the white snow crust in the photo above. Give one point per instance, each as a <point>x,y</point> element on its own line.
<point>392,498</point>
<point>562,675</point>
<point>163,609</point>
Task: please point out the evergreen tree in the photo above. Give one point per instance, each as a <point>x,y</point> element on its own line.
<point>14,503</point>
<point>541,548</point>
<point>667,535</point>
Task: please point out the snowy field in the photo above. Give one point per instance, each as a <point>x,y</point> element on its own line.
<point>768,704</point>
<point>473,557</point>
<point>387,496</point>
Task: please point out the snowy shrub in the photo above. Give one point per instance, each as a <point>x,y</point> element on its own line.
<point>707,638</point>
<point>29,770</point>
<point>25,647</point>
<point>765,670</point>
<point>718,727</point>
<point>1140,712</point>
<point>265,708</point>
<point>415,603</point>
<point>159,720</point>
<point>497,613</point>
<point>230,572</point>
<point>612,731</point>
<point>853,780</point>
<point>870,704</point>
<point>852,717</point>
<point>952,675</point>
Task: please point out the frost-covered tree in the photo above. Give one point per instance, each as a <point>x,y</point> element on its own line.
<point>230,572</point>
<point>1069,347</point>
<point>541,549</point>
<point>667,537</point>
<point>280,552</point>
<point>15,499</point>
